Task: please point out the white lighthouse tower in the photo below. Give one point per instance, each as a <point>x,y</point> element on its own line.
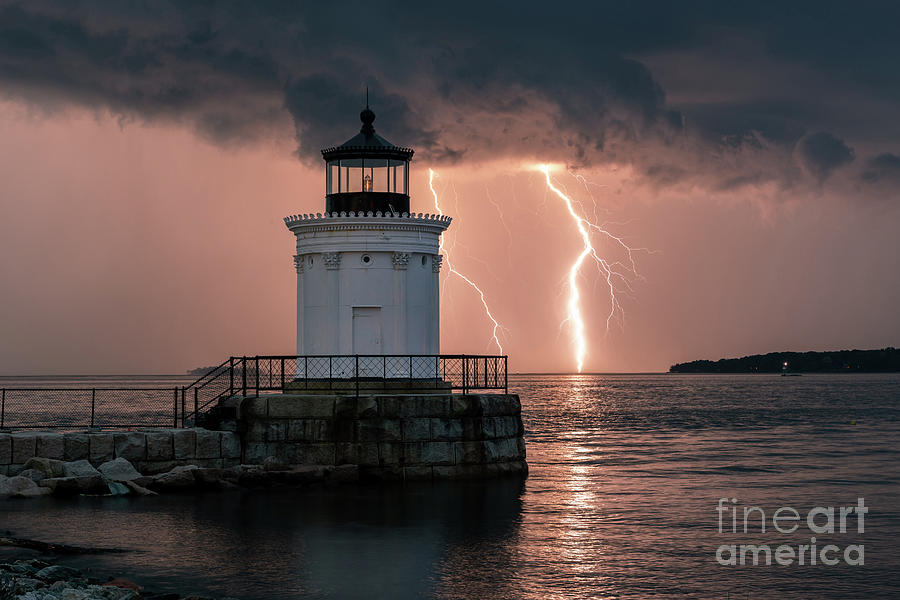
<point>367,268</point>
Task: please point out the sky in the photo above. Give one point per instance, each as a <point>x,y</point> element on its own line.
<point>749,154</point>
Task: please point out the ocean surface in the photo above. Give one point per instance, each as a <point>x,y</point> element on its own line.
<point>626,475</point>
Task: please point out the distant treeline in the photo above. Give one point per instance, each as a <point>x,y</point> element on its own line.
<point>201,370</point>
<point>886,360</point>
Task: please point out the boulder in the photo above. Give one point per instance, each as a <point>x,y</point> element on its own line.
<point>57,573</point>
<point>138,489</point>
<point>215,478</point>
<point>143,480</point>
<point>48,466</point>
<point>71,486</point>
<point>25,586</point>
<point>119,470</point>
<point>79,468</point>
<point>33,474</point>
<point>60,586</point>
<point>15,486</point>
<point>179,478</point>
<point>35,492</point>
<point>124,584</point>
<point>118,489</point>
<point>23,568</point>
<point>111,593</point>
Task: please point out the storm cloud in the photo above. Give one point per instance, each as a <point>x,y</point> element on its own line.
<point>822,153</point>
<point>583,85</point>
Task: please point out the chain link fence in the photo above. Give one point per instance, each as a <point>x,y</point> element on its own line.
<point>88,408</point>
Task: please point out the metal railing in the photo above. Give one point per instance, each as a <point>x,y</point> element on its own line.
<point>351,374</point>
<point>347,373</point>
<point>88,408</point>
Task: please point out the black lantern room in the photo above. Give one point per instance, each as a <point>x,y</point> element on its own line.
<point>367,173</point>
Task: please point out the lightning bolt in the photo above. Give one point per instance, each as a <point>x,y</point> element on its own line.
<point>615,273</point>
<point>487,309</point>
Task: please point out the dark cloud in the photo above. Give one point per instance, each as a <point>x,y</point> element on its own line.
<point>882,168</point>
<point>665,174</point>
<point>463,81</point>
<point>821,153</point>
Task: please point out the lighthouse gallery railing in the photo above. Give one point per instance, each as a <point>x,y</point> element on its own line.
<point>345,373</point>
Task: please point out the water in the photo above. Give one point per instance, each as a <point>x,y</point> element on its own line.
<point>626,473</point>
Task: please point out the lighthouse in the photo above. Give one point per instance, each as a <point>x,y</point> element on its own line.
<point>369,391</point>
<point>367,267</point>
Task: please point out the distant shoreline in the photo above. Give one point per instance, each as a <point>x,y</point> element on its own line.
<point>885,360</point>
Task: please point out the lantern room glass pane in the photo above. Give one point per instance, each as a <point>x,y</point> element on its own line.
<point>399,177</point>
<point>353,177</point>
<point>332,181</point>
<point>367,175</point>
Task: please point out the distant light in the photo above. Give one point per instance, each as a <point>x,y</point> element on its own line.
<point>367,183</point>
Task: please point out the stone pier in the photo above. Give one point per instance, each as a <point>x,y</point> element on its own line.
<point>389,437</point>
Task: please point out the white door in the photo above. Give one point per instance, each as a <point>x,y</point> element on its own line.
<point>366,330</point>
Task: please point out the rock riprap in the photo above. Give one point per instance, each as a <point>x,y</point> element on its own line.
<point>119,470</point>
<point>119,477</point>
<point>35,579</point>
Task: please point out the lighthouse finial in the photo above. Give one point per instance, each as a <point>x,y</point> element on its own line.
<point>367,117</point>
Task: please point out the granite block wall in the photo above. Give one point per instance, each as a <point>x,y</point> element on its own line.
<point>405,437</point>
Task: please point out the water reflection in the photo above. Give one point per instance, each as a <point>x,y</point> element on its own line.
<point>408,541</point>
<point>620,503</point>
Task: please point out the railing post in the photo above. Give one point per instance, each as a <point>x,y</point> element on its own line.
<point>93,401</point>
<point>330,382</point>
<point>244,376</point>
<point>196,407</point>
<point>505,376</point>
<point>183,393</point>
<point>410,368</point>
<point>306,372</point>
<point>3,409</point>
<point>465,374</point>
<point>257,376</point>
<point>175,407</point>
<point>356,356</point>
<point>282,374</point>
<point>230,376</point>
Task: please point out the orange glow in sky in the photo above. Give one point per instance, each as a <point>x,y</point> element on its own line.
<point>143,249</point>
